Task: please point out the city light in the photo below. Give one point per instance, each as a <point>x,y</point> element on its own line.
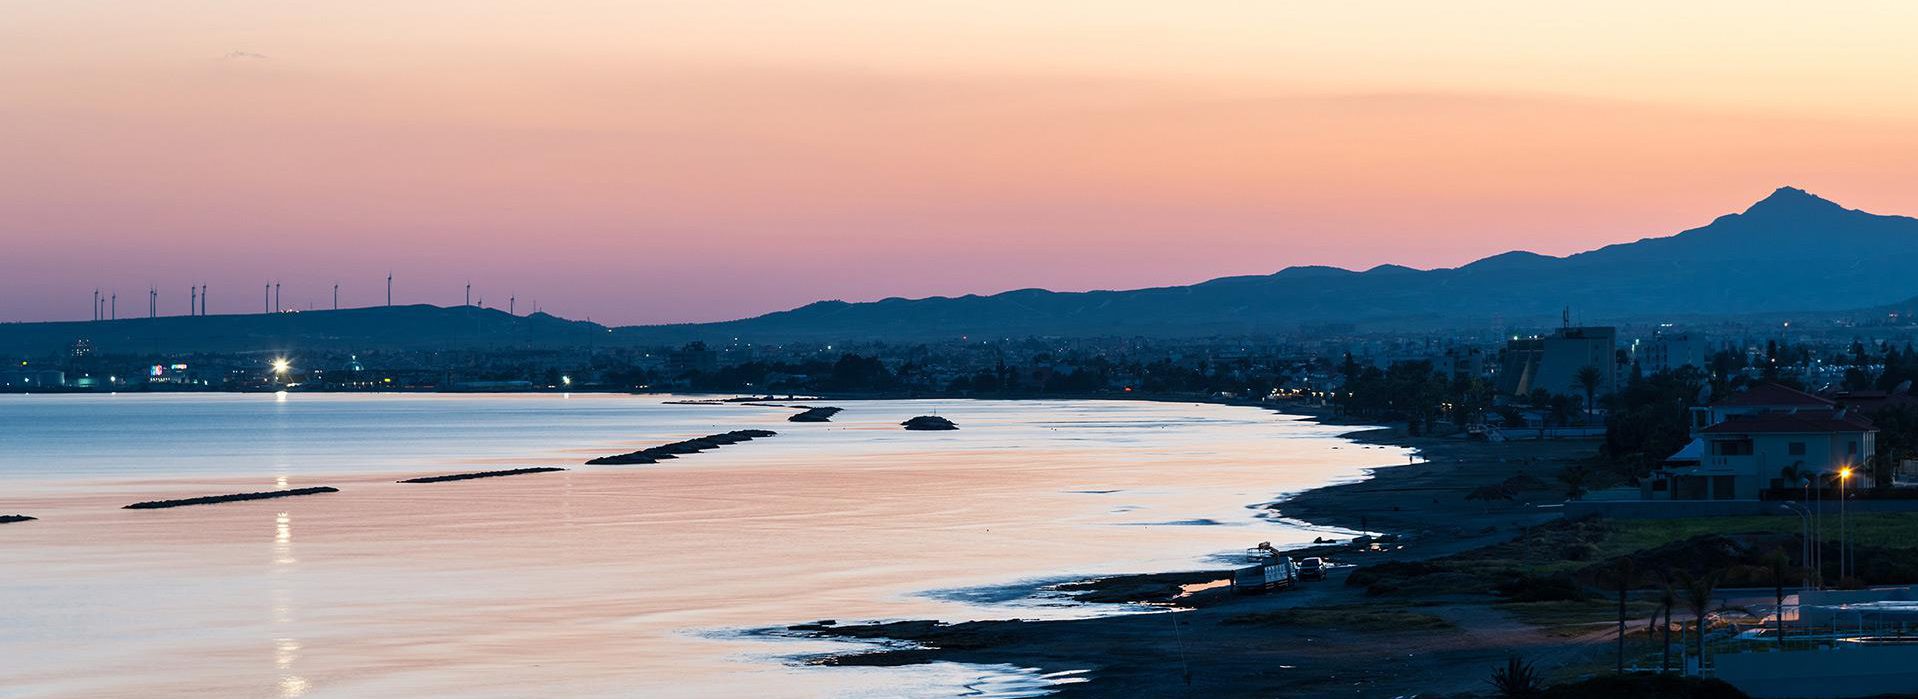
<point>1844,473</point>
<point>281,365</point>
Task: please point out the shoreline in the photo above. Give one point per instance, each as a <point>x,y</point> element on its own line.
<point>1321,638</point>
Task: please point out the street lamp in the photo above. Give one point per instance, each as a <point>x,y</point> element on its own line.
<point>1844,542</point>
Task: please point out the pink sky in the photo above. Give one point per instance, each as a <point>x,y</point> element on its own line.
<point>658,162</point>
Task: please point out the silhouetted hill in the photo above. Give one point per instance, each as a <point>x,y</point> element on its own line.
<point>1793,251</point>
<point>394,327</point>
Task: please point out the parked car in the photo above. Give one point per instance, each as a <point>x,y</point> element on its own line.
<point>1312,568</point>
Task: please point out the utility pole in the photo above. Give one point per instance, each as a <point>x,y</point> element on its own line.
<point>512,305</point>
<point>336,296</point>
<point>95,304</point>
<point>115,305</point>
<point>153,302</point>
<point>389,288</point>
<point>193,300</point>
<point>469,294</point>
<point>266,301</point>
<point>276,297</point>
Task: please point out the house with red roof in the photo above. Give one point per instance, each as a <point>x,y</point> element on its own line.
<point>1767,437</point>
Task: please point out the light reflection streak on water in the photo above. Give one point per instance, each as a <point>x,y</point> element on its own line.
<point>286,650</point>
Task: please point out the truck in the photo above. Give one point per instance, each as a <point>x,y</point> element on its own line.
<point>1267,570</point>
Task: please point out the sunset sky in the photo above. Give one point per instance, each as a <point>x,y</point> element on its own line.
<point>644,162</point>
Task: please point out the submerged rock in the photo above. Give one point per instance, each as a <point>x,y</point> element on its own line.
<point>651,455</point>
<point>480,474</point>
<point>929,422</point>
<point>235,497</point>
<point>823,414</point>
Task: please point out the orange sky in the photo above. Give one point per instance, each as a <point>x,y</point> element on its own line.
<point>650,162</point>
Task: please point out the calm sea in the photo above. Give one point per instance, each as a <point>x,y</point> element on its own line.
<point>619,581</point>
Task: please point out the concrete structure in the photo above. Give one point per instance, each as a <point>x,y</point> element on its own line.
<point>1842,670</point>
<point>1552,362</point>
<point>1669,351</point>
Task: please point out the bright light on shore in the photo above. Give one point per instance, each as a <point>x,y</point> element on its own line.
<point>1844,473</point>
<point>281,365</point>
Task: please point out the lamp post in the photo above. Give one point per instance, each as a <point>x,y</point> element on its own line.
<point>1844,540</point>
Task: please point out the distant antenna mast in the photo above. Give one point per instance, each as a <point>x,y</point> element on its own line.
<point>276,297</point>
<point>266,301</point>
<point>512,305</point>
<point>153,302</point>
<point>115,306</point>
<point>336,296</point>
<point>95,305</point>
<point>389,288</point>
<point>202,299</point>
<point>469,294</point>
<point>192,300</point>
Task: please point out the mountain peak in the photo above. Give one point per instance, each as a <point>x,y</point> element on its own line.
<point>1792,200</point>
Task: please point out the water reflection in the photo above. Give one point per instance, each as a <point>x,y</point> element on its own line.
<point>286,650</point>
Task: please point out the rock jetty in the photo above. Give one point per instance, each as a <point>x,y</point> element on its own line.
<point>929,422</point>
<point>814,415</point>
<point>673,450</point>
<point>236,497</point>
<point>480,474</point>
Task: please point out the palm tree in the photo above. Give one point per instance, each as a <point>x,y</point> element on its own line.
<point>1778,563</point>
<point>1589,378</point>
<point>1698,595</point>
<point>1668,598</point>
<point>1624,587</point>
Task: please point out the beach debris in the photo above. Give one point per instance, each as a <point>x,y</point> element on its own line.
<point>821,414</point>
<point>15,518</point>
<point>929,422</point>
<point>673,450</point>
<point>480,474</point>
<point>235,497</point>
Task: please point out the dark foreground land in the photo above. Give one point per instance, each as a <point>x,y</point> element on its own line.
<point>1451,591</point>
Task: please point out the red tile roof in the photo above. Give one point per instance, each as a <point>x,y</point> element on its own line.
<point>1774,394</point>
<point>1812,421</point>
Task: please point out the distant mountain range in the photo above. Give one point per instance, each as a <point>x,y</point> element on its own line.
<point>1791,252</point>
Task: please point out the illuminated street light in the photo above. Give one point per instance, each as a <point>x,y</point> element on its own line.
<point>281,365</point>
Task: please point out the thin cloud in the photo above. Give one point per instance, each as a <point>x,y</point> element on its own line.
<point>244,56</point>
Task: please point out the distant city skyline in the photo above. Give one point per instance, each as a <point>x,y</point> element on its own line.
<point>644,163</point>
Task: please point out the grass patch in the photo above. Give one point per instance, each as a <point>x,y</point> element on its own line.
<point>1893,530</point>
<point>1573,618</point>
<point>1373,619</point>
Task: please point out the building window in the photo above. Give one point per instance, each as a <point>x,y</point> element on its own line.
<point>1732,447</point>
<point>1795,448</point>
